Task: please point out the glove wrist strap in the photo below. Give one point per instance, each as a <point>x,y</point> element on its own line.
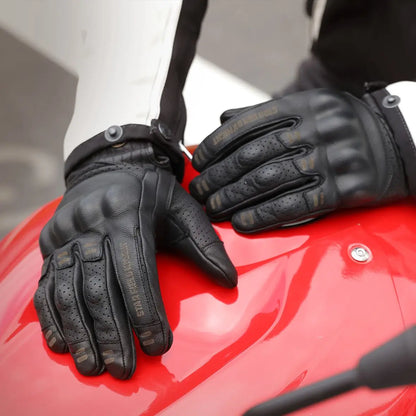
<point>117,136</point>
<point>387,106</point>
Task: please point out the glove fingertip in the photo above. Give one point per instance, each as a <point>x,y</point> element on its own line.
<point>54,340</point>
<point>86,359</point>
<point>244,223</point>
<point>49,320</point>
<point>155,340</point>
<point>119,364</point>
<point>220,266</point>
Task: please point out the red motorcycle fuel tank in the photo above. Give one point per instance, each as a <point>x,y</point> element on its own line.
<point>306,307</point>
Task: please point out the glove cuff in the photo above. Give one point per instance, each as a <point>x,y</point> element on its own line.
<point>387,106</point>
<point>116,136</point>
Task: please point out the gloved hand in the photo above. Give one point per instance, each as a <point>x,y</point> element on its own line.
<point>99,278</point>
<point>296,158</point>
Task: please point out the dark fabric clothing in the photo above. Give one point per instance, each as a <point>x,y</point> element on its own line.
<point>312,74</point>
<point>367,40</point>
<point>172,104</point>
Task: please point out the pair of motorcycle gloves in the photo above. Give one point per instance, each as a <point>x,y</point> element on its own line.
<point>276,164</point>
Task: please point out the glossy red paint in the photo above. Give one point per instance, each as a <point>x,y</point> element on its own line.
<point>303,310</point>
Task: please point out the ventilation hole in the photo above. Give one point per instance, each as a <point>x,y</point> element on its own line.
<point>98,302</point>
<point>190,218</point>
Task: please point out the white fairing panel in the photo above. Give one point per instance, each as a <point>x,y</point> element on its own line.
<point>406,91</point>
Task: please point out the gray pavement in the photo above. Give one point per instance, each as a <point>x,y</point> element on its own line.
<point>260,41</point>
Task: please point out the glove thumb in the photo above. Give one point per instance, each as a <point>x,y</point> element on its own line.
<point>227,114</point>
<point>189,232</point>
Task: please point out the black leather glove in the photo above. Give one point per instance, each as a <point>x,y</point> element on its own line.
<point>99,278</point>
<point>293,159</point>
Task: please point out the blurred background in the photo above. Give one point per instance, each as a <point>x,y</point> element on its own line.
<point>258,41</point>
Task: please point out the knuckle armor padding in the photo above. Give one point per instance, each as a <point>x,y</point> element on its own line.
<point>117,200</point>
<point>87,211</point>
